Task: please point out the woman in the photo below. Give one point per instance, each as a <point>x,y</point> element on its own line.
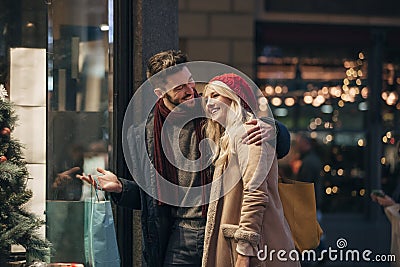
<point>247,222</point>
<point>391,207</point>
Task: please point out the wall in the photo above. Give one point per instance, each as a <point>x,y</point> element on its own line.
<point>29,97</point>
<point>221,31</point>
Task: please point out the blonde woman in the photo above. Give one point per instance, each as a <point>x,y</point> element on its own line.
<point>245,220</point>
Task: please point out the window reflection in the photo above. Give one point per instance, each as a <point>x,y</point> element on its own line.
<point>79,94</point>
<point>78,118</point>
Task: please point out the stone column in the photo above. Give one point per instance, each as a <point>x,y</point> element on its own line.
<point>142,28</point>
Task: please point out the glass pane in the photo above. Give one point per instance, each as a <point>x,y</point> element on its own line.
<point>319,87</point>
<point>79,116</point>
<point>390,98</point>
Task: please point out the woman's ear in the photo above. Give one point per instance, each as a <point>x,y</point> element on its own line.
<point>159,92</point>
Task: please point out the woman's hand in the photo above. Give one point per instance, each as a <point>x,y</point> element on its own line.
<point>385,201</point>
<point>242,261</point>
<point>107,182</point>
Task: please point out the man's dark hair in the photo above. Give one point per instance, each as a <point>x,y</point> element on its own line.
<point>164,60</point>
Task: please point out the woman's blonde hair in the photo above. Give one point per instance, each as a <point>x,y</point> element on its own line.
<point>236,116</point>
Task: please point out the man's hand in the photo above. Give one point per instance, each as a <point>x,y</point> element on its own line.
<point>107,182</point>
<point>258,134</point>
<point>242,261</point>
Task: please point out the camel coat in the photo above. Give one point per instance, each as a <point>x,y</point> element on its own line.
<point>249,217</point>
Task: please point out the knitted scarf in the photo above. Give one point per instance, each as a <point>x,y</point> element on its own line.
<point>162,165</point>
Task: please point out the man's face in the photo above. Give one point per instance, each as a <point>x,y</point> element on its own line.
<point>180,88</point>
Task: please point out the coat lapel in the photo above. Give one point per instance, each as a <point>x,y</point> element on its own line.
<point>216,191</point>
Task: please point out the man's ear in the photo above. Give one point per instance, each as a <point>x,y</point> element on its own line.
<point>159,92</point>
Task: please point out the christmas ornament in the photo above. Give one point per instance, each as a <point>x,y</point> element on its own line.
<point>3,158</point>
<point>5,131</point>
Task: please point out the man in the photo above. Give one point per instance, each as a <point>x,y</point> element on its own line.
<point>172,235</point>
<point>309,171</point>
<point>311,164</point>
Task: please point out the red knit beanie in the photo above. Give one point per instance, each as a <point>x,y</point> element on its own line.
<point>240,87</point>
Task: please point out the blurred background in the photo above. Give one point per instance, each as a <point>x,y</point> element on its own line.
<point>329,70</point>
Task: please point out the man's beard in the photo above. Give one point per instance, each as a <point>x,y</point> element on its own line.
<point>182,105</point>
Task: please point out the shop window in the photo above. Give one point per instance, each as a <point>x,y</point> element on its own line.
<point>79,116</point>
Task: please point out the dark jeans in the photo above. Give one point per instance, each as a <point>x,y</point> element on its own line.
<point>185,246</point>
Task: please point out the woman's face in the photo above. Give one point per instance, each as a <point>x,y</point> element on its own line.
<point>217,106</point>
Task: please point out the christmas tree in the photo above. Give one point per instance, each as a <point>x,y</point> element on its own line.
<point>17,225</point>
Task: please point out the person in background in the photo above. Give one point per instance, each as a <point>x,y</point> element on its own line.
<point>392,211</point>
<point>249,216</point>
<point>391,207</point>
<point>310,165</point>
<point>309,170</point>
<point>172,235</point>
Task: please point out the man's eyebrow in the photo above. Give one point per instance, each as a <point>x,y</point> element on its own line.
<point>177,87</point>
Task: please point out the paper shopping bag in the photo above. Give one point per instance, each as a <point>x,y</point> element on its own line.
<point>298,201</point>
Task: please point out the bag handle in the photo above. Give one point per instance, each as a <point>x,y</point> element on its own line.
<point>97,187</point>
<point>90,225</point>
<point>96,180</point>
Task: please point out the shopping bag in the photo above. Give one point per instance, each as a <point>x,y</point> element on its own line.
<point>101,249</point>
<point>298,201</point>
